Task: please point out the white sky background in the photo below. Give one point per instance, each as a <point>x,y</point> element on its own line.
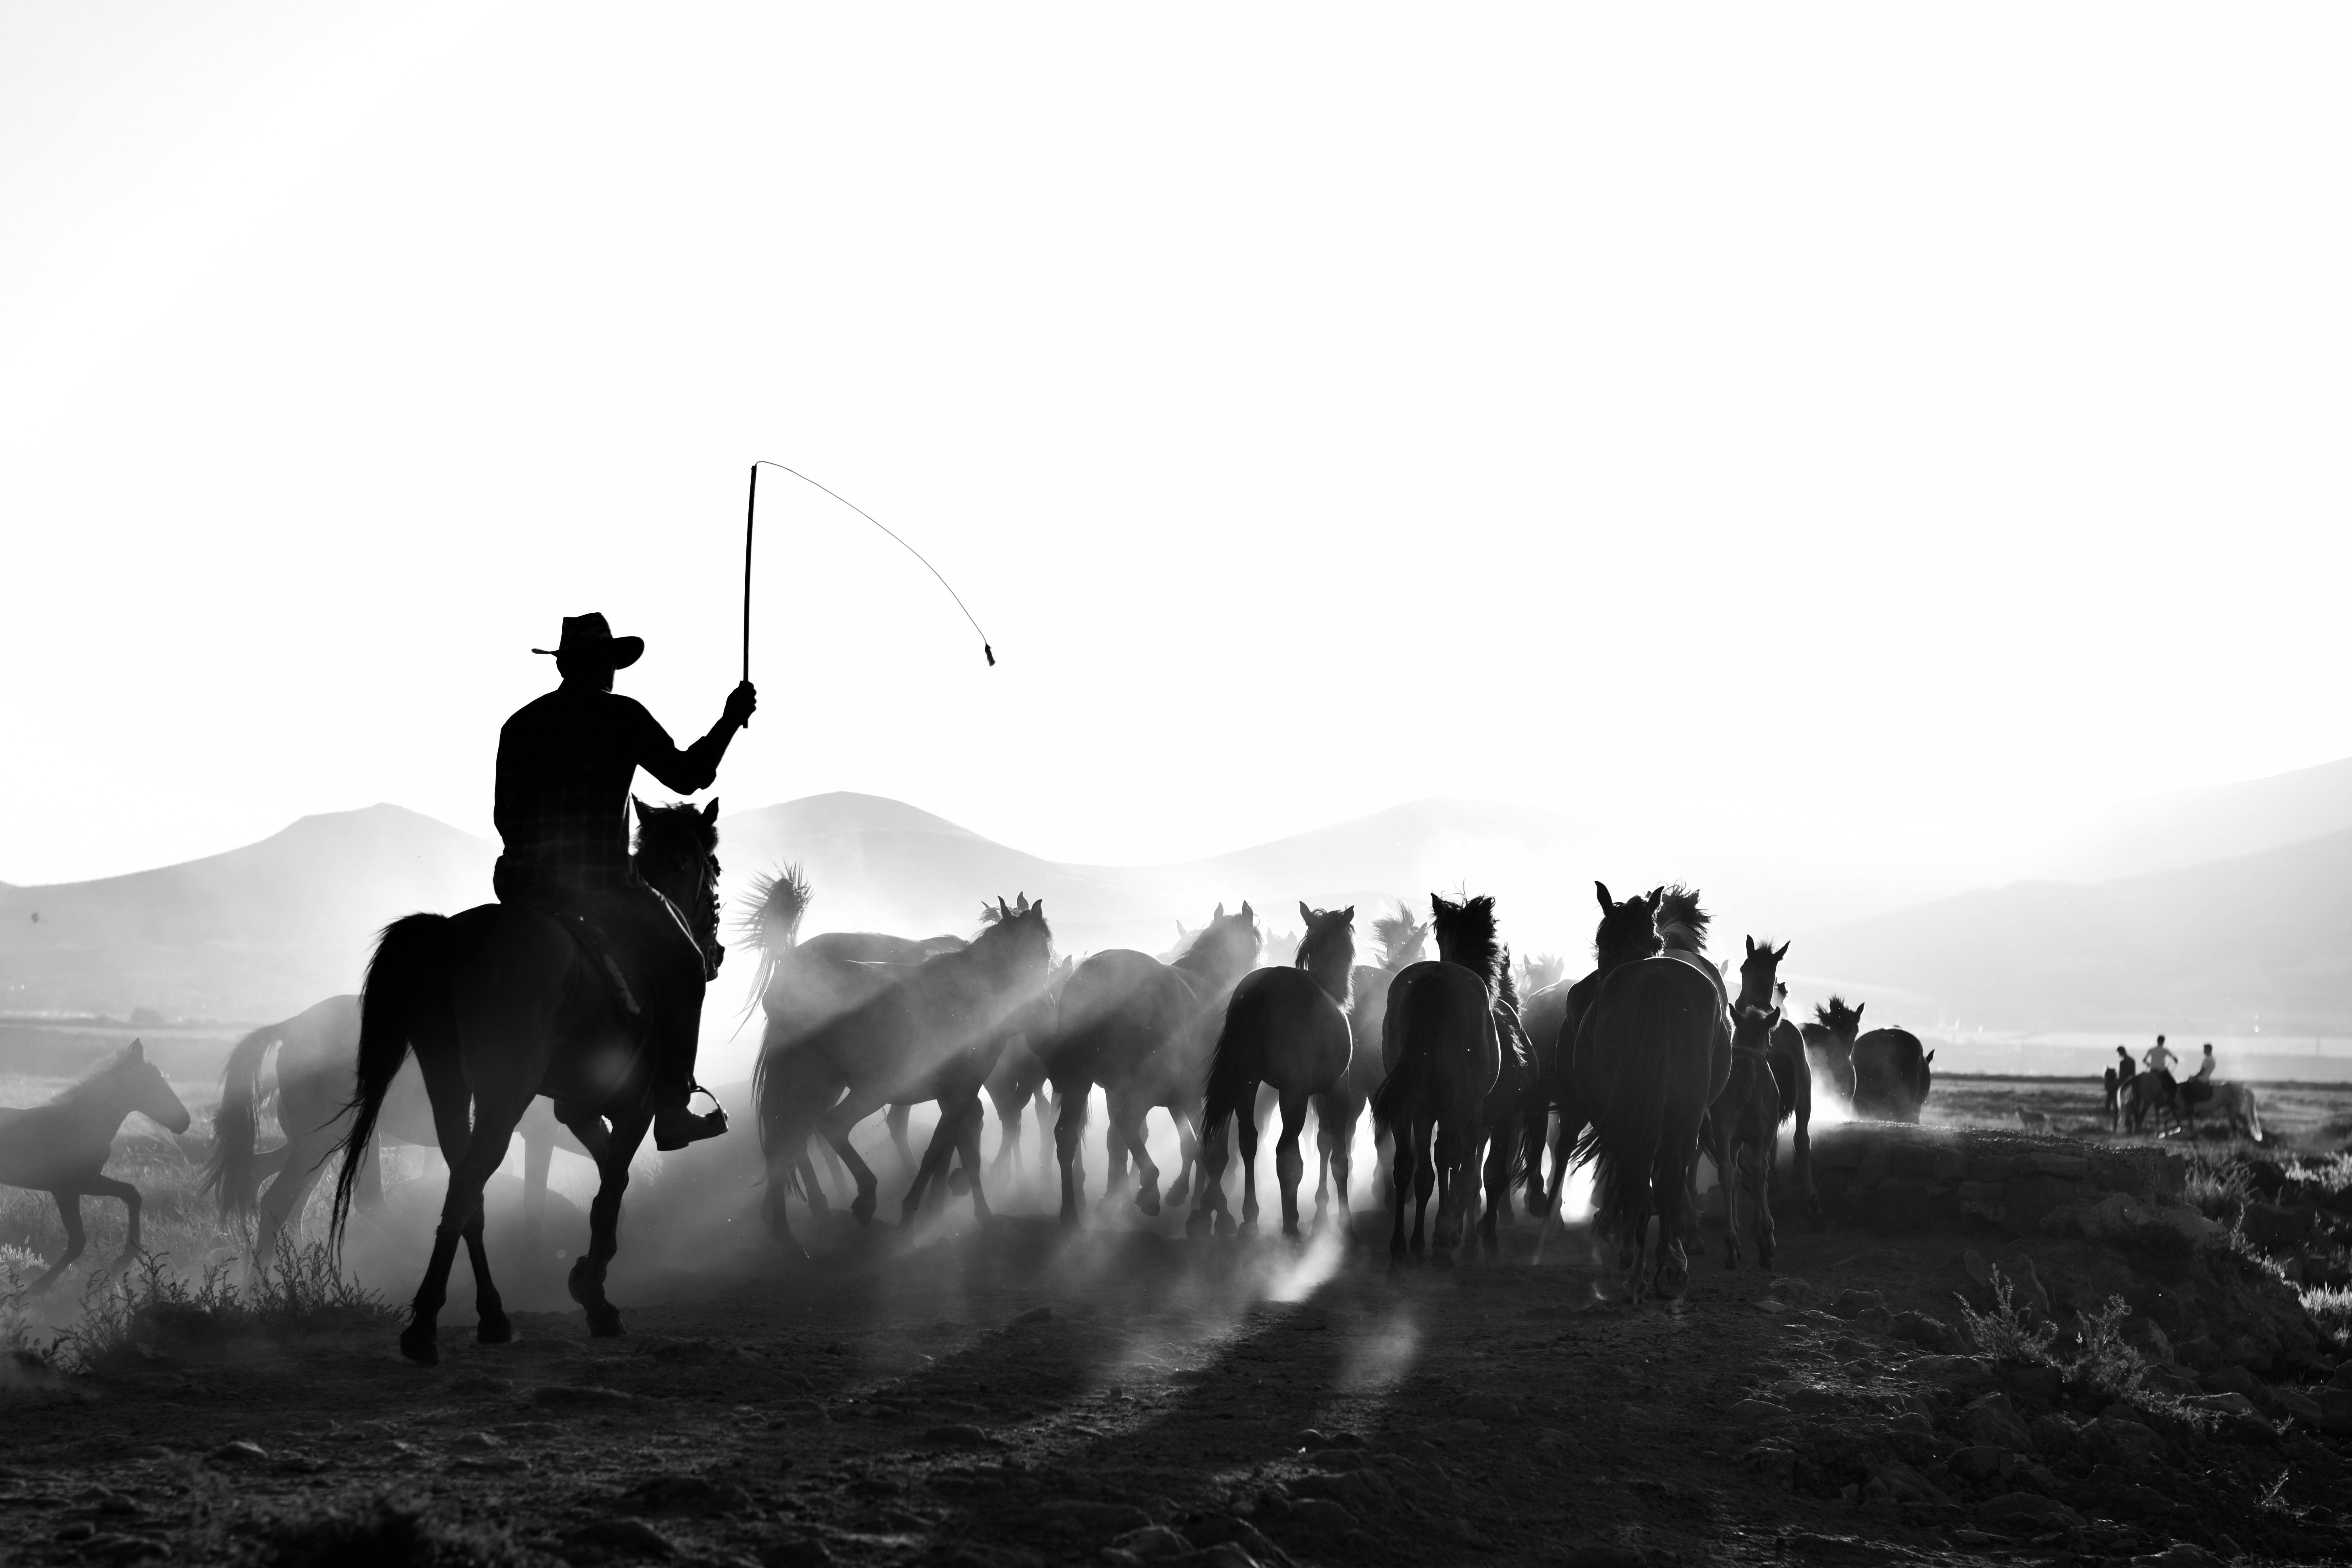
<point>1915,427</point>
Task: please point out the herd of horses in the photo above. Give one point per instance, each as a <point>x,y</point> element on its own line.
<point>1657,1056</point>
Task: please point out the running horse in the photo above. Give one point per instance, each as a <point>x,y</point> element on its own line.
<point>1287,1028</point>
<point>501,1004</point>
<point>1653,1052</point>
<point>60,1147</point>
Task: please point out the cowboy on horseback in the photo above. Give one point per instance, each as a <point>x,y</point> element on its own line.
<point>566,763</point>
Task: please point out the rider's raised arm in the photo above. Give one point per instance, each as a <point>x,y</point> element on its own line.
<point>686,771</point>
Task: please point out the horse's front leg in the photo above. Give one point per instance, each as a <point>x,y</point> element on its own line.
<point>1209,1194</point>
<point>855,1107</point>
<point>1289,1165</point>
<point>491,1326</point>
<point>1246,1141</point>
<point>1068,1128</point>
<point>1131,1123</point>
<point>935,1155</point>
<point>1188,1155</point>
<point>107,1187</point>
<point>586,1283</point>
<point>68,1199</point>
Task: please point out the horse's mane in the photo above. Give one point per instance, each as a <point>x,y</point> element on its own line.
<point>1327,951</point>
<point>81,1087</point>
<point>1465,935</point>
<point>1401,938</point>
<point>1678,907</point>
<point>772,916</point>
<point>1836,1016</point>
<point>1507,990</point>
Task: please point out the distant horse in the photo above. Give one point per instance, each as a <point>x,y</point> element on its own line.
<point>500,1004</point>
<point>317,1051</point>
<point>1891,1075</point>
<point>1402,939</point>
<point>1443,1056</point>
<point>2238,1106</point>
<point>1742,1127</point>
<point>1792,1077</point>
<point>935,1035</point>
<point>1035,1019</point>
<point>1829,1044</point>
<point>1516,1113</point>
<point>1538,971</point>
<point>1287,1028</point>
<point>1653,1051</point>
<point>60,1147</point>
<point>1018,1081</point>
<point>1627,933</point>
<point>1144,1030</point>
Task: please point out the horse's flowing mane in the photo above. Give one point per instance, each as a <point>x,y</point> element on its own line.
<point>1507,990</point>
<point>1401,938</point>
<point>1679,916</point>
<point>1837,1017</point>
<point>772,916</point>
<point>82,1087</point>
<point>1465,935</point>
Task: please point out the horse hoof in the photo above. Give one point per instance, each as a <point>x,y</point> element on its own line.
<point>494,1330</point>
<point>1196,1223</point>
<point>1225,1225</point>
<point>862,1211</point>
<point>417,1345</point>
<point>604,1322</point>
<point>1148,1200</point>
<point>959,1183</point>
<point>1180,1190</point>
<point>1069,1217</point>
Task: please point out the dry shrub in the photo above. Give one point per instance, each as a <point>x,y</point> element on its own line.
<point>151,1307</point>
<point>2009,1332</point>
<point>2100,1362</point>
<point>2330,1309</point>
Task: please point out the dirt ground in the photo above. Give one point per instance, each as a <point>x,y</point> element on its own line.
<point>1017,1396</point>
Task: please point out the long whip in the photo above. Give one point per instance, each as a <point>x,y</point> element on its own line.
<point>750,516</point>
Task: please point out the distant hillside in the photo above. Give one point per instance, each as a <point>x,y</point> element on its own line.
<point>253,933</point>
<point>2206,948</point>
<point>2219,823</point>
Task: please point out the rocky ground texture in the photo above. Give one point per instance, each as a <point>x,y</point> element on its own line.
<point>2080,1365</point>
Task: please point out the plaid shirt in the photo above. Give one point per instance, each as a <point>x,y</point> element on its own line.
<point>566,763</point>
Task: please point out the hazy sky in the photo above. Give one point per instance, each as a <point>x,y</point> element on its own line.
<point>1915,425</point>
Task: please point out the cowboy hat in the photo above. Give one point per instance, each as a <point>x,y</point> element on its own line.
<point>589,636</point>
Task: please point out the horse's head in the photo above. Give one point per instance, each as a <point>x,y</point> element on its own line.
<point>1759,987</point>
<point>1465,933</point>
<point>1628,930</point>
<point>677,853</point>
<point>1327,950</point>
<point>1540,970</point>
<point>134,1083</point>
<point>772,916</point>
<point>1015,942</point>
<point>1227,949</point>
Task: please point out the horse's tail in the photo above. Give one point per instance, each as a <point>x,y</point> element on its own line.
<point>406,984</point>
<point>1238,1061</point>
<point>231,1173</point>
<point>1417,1025</point>
<point>1624,1135</point>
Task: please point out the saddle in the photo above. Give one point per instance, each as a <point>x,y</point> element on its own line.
<point>596,944</point>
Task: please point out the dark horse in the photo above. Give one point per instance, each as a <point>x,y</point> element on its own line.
<point>935,1035</point>
<point>1143,1030</point>
<point>1792,1075</point>
<point>1653,1052</point>
<point>60,1147</point>
<point>501,1004</point>
<point>1891,1075</point>
<point>1402,939</point>
<point>1443,1057</point>
<point>1287,1028</point>
<point>1829,1043</point>
<point>1628,932</point>
<point>1743,1126</point>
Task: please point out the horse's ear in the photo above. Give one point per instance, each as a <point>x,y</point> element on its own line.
<point>1038,909</point>
<point>1002,912</point>
<point>1304,913</point>
<point>1349,914</point>
<point>1601,891</point>
<point>1752,945</point>
<point>1248,913</point>
<point>1857,1011</point>
<point>137,1051</point>
<point>711,812</point>
<point>1781,954</point>
<point>1926,1060</point>
<point>1218,914</point>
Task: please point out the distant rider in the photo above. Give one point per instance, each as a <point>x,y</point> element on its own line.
<point>2205,1066</point>
<point>565,763</point>
<point>2158,1058</point>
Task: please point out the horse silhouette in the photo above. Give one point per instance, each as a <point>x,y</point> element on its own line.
<point>1792,1077</point>
<point>1287,1028</point>
<point>1891,1075</point>
<point>1401,941</point>
<point>1741,1131</point>
<point>1627,931</point>
<point>1829,1044</point>
<point>501,1004</point>
<point>1442,1056</point>
<point>1143,1030</point>
<point>60,1147</point>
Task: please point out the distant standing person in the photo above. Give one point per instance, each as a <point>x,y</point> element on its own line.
<point>2158,1058</point>
<point>2119,1092</point>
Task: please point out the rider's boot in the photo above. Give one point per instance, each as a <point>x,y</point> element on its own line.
<point>675,1126</point>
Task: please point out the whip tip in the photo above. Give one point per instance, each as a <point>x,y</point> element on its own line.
<point>991,653</point>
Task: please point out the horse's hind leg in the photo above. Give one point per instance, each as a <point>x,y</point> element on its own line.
<point>1400,1175</point>
<point>538,1154</point>
<point>1423,1162</point>
<point>1501,1139</point>
<point>282,1201</point>
<point>1187,1151</point>
<point>1129,1122</point>
<point>70,1211</point>
<point>491,1327</point>
<point>1068,1128</point>
<point>1337,1131</point>
<point>853,1108</point>
<point>1767,1234</point>
<point>1289,1166</point>
<point>895,1119</point>
<point>1245,1144</point>
<point>586,1283</point>
<point>107,1187</point>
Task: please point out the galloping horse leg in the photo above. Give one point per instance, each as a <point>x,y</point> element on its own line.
<point>70,1210</point>
<point>1246,1141</point>
<point>1008,1135</point>
<point>1209,1192</point>
<point>854,1106</point>
<point>107,1187</point>
<point>538,1154</point>
<point>1423,1164</point>
<point>968,1151</point>
<point>935,1155</point>
<point>1188,1150</point>
<point>306,1158</point>
<point>473,1155</point>
<point>1336,1130</point>
<point>813,1190</point>
<point>1068,1128</point>
<point>491,1327</point>
<point>586,1283</point>
<point>1132,1123</point>
<point>895,1119</point>
<point>1767,1234</point>
<point>1289,1165</point>
<point>1677,1151</point>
